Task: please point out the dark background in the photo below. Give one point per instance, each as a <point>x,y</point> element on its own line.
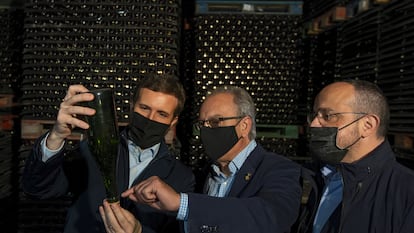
<point>282,52</point>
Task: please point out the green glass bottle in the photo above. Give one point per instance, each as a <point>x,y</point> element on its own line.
<point>103,138</point>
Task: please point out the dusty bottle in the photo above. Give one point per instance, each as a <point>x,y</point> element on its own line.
<point>103,138</point>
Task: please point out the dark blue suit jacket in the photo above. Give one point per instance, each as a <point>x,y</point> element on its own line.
<point>265,197</point>
<point>76,172</point>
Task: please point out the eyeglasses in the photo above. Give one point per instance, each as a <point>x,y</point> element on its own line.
<point>329,117</point>
<point>213,122</point>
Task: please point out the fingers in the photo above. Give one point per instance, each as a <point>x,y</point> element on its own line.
<point>144,192</point>
<point>125,219</point>
<point>68,115</point>
<point>74,90</point>
<point>109,219</point>
<point>108,227</point>
<point>129,193</point>
<point>147,193</point>
<point>70,110</point>
<point>155,193</point>
<point>117,219</point>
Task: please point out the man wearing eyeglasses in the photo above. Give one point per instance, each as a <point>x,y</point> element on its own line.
<point>248,189</point>
<point>364,188</point>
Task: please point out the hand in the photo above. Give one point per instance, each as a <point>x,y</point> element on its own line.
<point>66,118</point>
<point>118,220</point>
<point>155,193</point>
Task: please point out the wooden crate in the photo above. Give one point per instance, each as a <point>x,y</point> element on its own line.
<point>32,129</point>
<point>7,122</point>
<point>6,100</point>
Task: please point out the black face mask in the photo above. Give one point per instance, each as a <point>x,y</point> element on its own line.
<point>323,144</point>
<point>218,141</point>
<point>145,132</point>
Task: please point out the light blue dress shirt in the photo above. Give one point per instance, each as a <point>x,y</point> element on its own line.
<point>331,198</point>
<point>138,158</point>
<point>219,185</point>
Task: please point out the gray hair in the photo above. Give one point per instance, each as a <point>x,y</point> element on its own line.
<point>243,101</point>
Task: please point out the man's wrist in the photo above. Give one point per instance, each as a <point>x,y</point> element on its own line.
<point>53,142</point>
<point>183,210</point>
<point>47,153</point>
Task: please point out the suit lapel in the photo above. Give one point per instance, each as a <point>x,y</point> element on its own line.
<point>159,166</point>
<point>246,173</point>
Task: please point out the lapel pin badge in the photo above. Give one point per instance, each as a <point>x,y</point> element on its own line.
<point>247,176</point>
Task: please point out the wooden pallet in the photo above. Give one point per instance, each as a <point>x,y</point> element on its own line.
<point>355,7</point>
<point>334,15</point>
<point>404,141</point>
<point>7,122</point>
<point>381,1</point>
<point>250,7</point>
<point>6,100</point>
<point>341,13</point>
<point>32,129</point>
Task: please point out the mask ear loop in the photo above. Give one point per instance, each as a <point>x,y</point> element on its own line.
<point>345,127</point>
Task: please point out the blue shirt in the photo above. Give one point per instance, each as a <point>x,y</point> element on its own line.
<point>331,198</point>
<point>219,184</point>
<point>138,158</point>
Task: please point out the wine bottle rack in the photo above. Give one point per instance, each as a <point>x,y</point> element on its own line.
<point>8,184</point>
<point>260,52</point>
<point>358,46</point>
<point>11,31</point>
<point>396,62</point>
<point>374,43</point>
<point>100,44</point>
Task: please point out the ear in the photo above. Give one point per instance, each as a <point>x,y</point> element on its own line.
<point>174,122</point>
<point>245,126</point>
<point>370,124</point>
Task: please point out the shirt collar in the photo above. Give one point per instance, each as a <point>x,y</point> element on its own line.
<point>330,173</point>
<point>141,154</point>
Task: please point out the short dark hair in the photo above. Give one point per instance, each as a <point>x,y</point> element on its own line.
<point>167,84</point>
<point>369,98</point>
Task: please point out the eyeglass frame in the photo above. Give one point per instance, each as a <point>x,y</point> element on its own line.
<point>202,123</point>
<point>325,118</point>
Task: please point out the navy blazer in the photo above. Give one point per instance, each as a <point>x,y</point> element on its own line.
<point>76,171</point>
<point>265,197</point>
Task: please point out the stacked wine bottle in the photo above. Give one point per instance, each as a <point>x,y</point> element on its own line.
<point>258,52</point>
<point>100,44</point>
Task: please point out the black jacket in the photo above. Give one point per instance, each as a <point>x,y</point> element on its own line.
<point>264,198</point>
<point>378,197</point>
<point>76,172</point>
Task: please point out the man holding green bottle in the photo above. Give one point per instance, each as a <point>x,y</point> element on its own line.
<point>142,153</point>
